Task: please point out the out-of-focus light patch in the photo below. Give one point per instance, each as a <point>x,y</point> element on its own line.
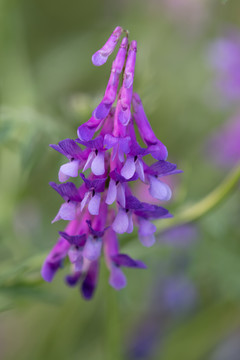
<point>81,104</point>
<point>179,294</point>
<point>223,147</point>
<point>228,348</point>
<point>27,218</point>
<point>185,13</point>
<point>182,235</point>
<point>223,57</point>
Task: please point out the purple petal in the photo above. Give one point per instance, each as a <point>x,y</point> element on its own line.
<point>140,169</point>
<point>147,240</point>
<point>71,148</point>
<point>130,223</point>
<point>133,203</point>
<point>92,249</point>
<point>121,222</point>
<point>49,270</point>
<point>57,148</point>
<point>119,61</point>
<point>101,56</point>
<point>90,281</point>
<point>73,279</point>
<point>98,166</point>
<point>67,211</point>
<point>85,132</point>
<point>156,148</point>
<point>129,168</point>
<point>78,240</point>
<point>158,151</point>
<point>85,200</point>
<point>95,144</point>
<point>159,190</point>
<point>161,168</point>
<point>110,141</point>
<point>102,110</point>
<point>121,198</point>
<point>54,260</point>
<point>146,210</point>
<point>146,227</point>
<point>95,233</point>
<point>69,169</point>
<point>94,204</point>
<point>75,255</point>
<point>124,115</point>
<point>68,191</point>
<point>123,147</point>
<point>112,192</point>
<point>96,184</point>
<point>117,177</point>
<point>117,278</point>
<point>127,261</point>
<point>130,65</point>
<point>89,161</point>
<point>152,212</point>
<point>62,177</point>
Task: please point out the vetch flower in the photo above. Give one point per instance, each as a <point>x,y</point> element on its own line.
<point>75,155</point>
<point>102,205</point>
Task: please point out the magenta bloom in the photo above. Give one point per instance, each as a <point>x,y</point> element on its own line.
<point>108,147</point>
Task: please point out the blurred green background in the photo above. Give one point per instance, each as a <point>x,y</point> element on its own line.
<point>48,87</point>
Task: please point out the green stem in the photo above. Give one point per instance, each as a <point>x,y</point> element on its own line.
<point>204,206</point>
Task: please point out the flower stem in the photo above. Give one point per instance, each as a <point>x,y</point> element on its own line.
<point>204,206</point>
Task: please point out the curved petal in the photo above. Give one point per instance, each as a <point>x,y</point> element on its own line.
<point>159,190</point>
<point>89,161</point>
<point>121,198</point>
<point>129,168</point>
<point>70,168</point>
<point>112,192</point>
<point>117,278</point>
<point>67,211</point>
<point>62,177</point>
<point>140,169</point>
<point>94,203</point>
<point>98,166</point>
<point>130,223</point>
<point>148,240</point>
<point>146,227</point>
<point>92,248</point>
<point>121,222</point>
<point>85,200</point>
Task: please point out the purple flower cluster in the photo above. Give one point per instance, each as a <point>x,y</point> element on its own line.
<point>103,206</point>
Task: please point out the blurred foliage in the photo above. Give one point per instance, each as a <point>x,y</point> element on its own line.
<point>48,86</point>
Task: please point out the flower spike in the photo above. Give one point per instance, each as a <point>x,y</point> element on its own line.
<point>108,159</point>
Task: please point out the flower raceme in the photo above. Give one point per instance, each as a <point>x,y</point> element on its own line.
<point>103,205</point>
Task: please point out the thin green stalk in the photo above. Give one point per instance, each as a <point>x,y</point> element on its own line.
<point>204,206</point>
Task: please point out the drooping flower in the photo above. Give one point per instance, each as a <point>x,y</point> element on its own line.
<point>103,205</point>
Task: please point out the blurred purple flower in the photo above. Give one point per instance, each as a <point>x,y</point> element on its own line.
<point>224,145</point>
<point>181,235</point>
<point>115,159</point>
<point>173,296</point>
<point>224,58</point>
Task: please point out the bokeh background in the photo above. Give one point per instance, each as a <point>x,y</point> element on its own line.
<point>186,305</point>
